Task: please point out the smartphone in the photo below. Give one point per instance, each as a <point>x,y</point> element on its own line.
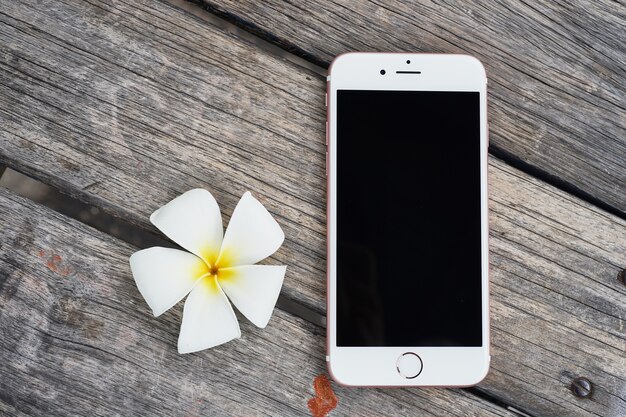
<point>408,269</point>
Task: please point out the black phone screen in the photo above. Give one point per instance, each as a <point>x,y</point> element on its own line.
<point>408,218</point>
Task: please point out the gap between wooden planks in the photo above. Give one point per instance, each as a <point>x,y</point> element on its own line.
<point>557,90</point>
<point>127,106</point>
<point>78,339</point>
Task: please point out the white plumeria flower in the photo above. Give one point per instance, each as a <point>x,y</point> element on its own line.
<point>219,265</point>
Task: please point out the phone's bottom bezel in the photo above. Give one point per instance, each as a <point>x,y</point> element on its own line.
<point>377,366</point>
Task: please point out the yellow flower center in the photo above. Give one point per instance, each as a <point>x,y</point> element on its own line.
<point>214,268</point>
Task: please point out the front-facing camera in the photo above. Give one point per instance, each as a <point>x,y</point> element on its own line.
<point>382,72</point>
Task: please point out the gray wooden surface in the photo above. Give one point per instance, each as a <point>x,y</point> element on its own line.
<point>557,83</point>
<point>126,118</point>
<point>127,104</point>
<point>78,339</point>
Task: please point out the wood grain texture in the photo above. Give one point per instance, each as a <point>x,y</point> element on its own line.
<point>557,307</point>
<point>131,117</point>
<point>557,84</point>
<point>128,106</point>
<point>78,339</point>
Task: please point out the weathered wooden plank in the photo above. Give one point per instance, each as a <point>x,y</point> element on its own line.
<point>94,116</point>
<point>557,305</point>
<point>181,100</point>
<point>557,84</point>
<point>78,339</point>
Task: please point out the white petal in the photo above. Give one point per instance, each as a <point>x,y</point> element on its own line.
<point>253,289</point>
<point>193,221</point>
<point>165,276</point>
<point>252,234</point>
<point>208,318</point>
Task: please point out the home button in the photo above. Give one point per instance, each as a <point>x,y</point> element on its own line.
<point>409,365</point>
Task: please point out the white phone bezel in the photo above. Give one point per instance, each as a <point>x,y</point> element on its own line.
<point>376,366</point>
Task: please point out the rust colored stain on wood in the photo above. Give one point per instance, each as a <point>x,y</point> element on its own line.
<point>325,399</point>
<point>54,262</point>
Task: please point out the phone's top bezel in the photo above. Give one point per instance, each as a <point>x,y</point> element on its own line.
<point>437,72</point>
